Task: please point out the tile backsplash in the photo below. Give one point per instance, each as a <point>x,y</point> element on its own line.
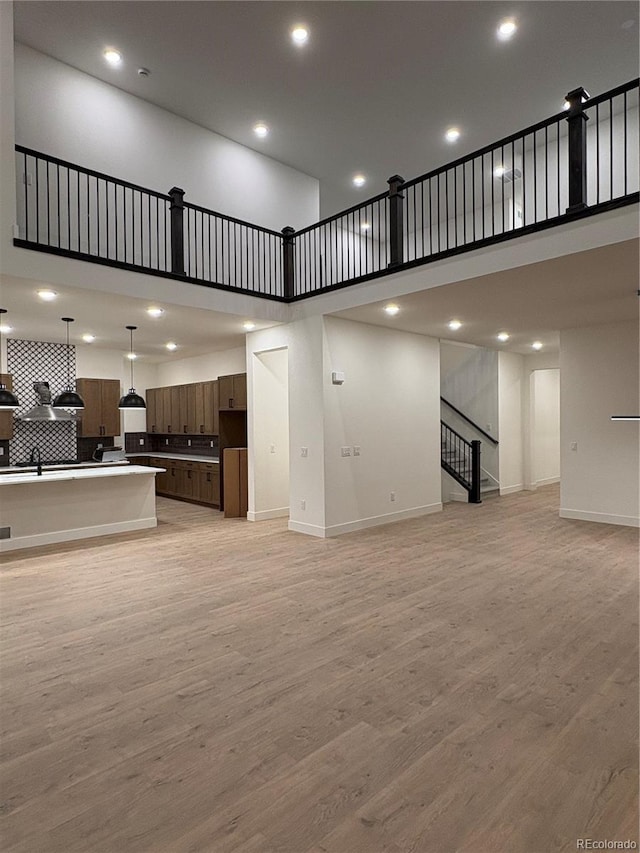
<point>199,445</point>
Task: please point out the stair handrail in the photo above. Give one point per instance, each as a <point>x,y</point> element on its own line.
<point>490,438</point>
<point>470,479</point>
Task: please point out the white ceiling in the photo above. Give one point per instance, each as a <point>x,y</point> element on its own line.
<point>373,90</point>
<point>532,302</point>
<point>195,331</point>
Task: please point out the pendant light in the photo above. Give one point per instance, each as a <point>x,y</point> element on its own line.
<point>8,399</point>
<point>132,400</point>
<point>68,399</point>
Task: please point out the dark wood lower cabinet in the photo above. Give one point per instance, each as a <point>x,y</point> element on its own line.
<point>198,482</point>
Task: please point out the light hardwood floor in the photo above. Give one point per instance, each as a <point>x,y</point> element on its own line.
<point>463,682</point>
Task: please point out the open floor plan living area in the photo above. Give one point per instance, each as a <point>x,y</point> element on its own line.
<point>319,426</point>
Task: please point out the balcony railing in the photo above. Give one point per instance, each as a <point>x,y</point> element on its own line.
<point>576,163</point>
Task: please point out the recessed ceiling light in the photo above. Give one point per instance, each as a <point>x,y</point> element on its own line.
<point>4,330</point>
<point>88,338</point>
<point>452,135</point>
<point>249,325</point>
<point>537,345</point>
<point>113,56</point>
<point>359,180</point>
<point>47,295</point>
<point>155,312</point>
<point>365,226</point>
<point>299,35</point>
<point>260,129</point>
<point>566,105</point>
<point>171,346</point>
<point>499,171</point>
<point>454,325</point>
<point>392,309</point>
<point>503,336</point>
<point>506,29</point>
<point>131,356</point>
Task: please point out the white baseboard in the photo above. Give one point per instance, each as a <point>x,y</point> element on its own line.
<point>265,514</point>
<point>600,517</point>
<point>547,481</point>
<point>364,523</point>
<point>509,490</point>
<point>57,536</point>
<point>309,529</point>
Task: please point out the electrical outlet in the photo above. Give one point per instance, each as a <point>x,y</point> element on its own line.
<point>303,504</point>
<point>272,448</point>
<point>188,442</point>
<point>27,178</point>
<point>211,444</point>
<point>392,496</point>
<point>166,441</point>
<point>142,442</point>
<point>488,427</point>
<point>356,450</point>
<point>574,445</point>
<point>304,452</point>
<point>345,451</point>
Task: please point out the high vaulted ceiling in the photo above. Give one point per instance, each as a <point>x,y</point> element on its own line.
<point>374,89</point>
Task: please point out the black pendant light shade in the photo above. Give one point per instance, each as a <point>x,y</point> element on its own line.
<point>68,399</point>
<point>8,399</point>
<point>131,400</point>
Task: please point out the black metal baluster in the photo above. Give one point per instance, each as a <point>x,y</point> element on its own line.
<point>483,201</point>
<point>546,172</point>
<point>464,204</point>
<point>26,196</point>
<point>611,149</point>
<point>624,112</point>
<point>535,178</point>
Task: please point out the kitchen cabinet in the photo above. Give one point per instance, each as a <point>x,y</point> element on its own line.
<point>233,391</point>
<point>154,410</point>
<point>208,480</point>
<point>235,483</point>
<point>161,479</point>
<point>100,416</point>
<point>6,418</point>
<point>190,409</point>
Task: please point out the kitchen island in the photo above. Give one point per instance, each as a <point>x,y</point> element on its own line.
<point>77,503</point>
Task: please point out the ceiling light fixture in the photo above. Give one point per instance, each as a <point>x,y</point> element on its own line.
<point>155,312</point>
<point>503,336</point>
<point>365,226</point>
<point>47,295</point>
<point>260,129</point>
<point>537,345</point>
<point>68,399</point>
<point>392,309</point>
<point>8,399</point>
<point>507,29</point>
<point>359,180</point>
<point>249,325</point>
<point>171,346</point>
<point>88,338</point>
<point>113,56</point>
<point>499,171</point>
<point>452,135</point>
<point>299,35</point>
<point>131,400</point>
<point>132,356</point>
<point>4,329</point>
<point>454,325</point>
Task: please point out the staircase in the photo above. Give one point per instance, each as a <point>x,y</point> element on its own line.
<point>461,460</point>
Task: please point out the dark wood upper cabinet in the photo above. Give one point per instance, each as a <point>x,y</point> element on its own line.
<point>100,416</point>
<point>6,418</point>
<point>233,391</point>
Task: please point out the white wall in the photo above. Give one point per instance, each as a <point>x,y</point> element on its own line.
<point>269,442</point>
<point>63,112</point>
<point>510,397</point>
<point>545,426</point>
<point>201,368</point>
<point>388,406</point>
<point>599,378</point>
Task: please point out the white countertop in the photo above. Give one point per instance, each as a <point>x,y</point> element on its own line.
<point>179,457</point>
<point>23,469</point>
<point>77,473</point>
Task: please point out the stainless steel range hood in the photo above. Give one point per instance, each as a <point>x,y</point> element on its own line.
<point>43,410</point>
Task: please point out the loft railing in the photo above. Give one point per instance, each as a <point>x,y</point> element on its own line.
<point>461,460</point>
<point>573,164</point>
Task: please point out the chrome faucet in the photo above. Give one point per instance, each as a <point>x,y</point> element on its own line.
<point>35,457</point>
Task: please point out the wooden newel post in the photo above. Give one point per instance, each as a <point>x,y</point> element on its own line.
<point>474,494</point>
<point>577,121</point>
<point>288,261</point>
<point>177,230</point>
<point>396,226</point>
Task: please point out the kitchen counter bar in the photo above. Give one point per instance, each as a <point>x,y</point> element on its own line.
<point>59,506</point>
